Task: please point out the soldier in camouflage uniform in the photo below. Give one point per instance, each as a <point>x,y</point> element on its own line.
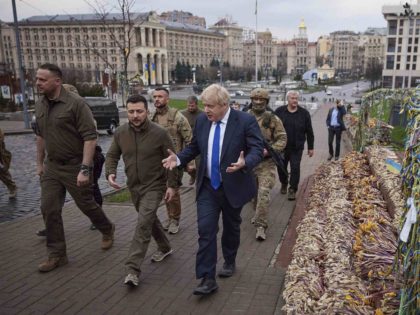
<point>275,135</point>
<point>181,134</point>
<point>191,113</point>
<point>5,159</point>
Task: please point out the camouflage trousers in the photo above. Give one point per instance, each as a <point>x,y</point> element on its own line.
<point>173,207</point>
<point>6,178</point>
<point>265,173</point>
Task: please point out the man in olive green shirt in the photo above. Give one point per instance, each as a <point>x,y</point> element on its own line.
<point>181,134</point>
<point>5,176</point>
<point>143,145</point>
<point>66,140</point>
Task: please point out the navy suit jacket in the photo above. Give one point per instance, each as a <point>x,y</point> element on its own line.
<point>242,134</point>
<point>340,116</point>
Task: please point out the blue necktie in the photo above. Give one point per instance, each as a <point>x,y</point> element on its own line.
<point>215,167</point>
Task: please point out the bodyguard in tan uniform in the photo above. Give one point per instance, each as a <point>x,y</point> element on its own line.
<point>275,135</point>
<point>180,131</point>
<point>66,140</point>
<point>143,145</point>
<point>191,113</point>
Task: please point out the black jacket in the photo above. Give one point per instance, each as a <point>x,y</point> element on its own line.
<point>341,113</point>
<point>298,127</point>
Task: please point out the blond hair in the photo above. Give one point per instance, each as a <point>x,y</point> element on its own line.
<point>216,93</point>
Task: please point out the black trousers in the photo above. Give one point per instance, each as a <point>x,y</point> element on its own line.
<point>210,204</point>
<point>292,156</point>
<point>334,131</point>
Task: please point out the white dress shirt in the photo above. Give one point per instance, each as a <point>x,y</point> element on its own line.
<point>210,142</point>
<point>211,138</point>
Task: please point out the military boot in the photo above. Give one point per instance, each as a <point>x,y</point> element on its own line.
<point>52,262</point>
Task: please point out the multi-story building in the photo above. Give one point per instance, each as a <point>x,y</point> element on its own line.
<point>91,44</point>
<point>372,47</point>
<point>267,60</point>
<point>402,46</point>
<point>192,45</point>
<point>299,55</point>
<point>183,18</point>
<point>345,52</point>
<point>233,46</point>
<point>280,52</point>
<point>324,51</point>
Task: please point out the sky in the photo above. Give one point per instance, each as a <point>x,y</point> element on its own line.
<point>281,17</point>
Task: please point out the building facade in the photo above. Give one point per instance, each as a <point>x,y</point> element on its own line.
<point>372,47</point>
<point>90,45</point>
<point>324,51</point>
<point>402,47</point>
<point>233,46</point>
<point>192,45</point>
<point>345,52</point>
<point>183,18</point>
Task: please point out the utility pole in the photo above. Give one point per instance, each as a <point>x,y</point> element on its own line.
<point>21,73</point>
<point>256,42</point>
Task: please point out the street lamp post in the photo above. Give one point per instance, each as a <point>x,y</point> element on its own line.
<point>21,74</point>
<point>193,73</point>
<point>220,70</point>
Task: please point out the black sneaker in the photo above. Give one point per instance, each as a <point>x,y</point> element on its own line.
<point>283,189</point>
<point>291,195</point>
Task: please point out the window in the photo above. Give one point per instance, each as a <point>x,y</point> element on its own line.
<point>390,62</point>
<point>391,45</point>
<point>392,27</point>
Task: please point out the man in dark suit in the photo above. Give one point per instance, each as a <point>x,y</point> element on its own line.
<point>231,145</point>
<point>335,124</point>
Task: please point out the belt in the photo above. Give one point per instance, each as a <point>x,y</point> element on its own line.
<point>73,161</point>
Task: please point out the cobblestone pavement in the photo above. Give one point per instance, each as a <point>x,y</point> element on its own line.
<point>23,170</point>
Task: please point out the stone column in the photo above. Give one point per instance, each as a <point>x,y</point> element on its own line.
<point>152,65</point>
<point>164,45</point>
<point>150,43</point>
<point>158,69</point>
<point>157,38</point>
<point>142,37</point>
<point>165,70</point>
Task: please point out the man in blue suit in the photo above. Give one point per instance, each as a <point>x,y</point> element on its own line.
<point>231,145</point>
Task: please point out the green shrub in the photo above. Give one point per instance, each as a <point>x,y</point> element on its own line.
<point>119,197</point>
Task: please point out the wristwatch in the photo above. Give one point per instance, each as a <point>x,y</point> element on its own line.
<point>85,169</point>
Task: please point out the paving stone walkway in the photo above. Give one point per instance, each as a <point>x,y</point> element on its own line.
<point>92,282</point>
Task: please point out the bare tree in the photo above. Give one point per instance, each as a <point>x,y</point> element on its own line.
<point>373,71</point>
<point>120,28</point>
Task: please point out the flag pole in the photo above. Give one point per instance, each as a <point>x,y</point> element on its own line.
<point>256,41</point>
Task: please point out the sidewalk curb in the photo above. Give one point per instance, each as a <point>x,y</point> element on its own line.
<point>290,235</point>
<point>18,132</point>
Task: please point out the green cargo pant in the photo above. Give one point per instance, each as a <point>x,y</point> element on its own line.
<point>54,183</point>
<point>148,225</point>
<point>173,207</point>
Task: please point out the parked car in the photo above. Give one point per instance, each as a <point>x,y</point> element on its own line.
<point>105,112</point>
<point>239,93</point>
<point>329,92</point>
